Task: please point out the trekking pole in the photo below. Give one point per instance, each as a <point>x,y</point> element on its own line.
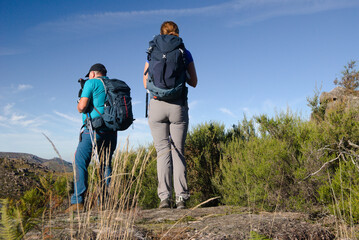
<point>92,137</point>
<point>146,113</point>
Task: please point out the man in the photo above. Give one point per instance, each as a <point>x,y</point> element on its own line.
<point>91,105</point>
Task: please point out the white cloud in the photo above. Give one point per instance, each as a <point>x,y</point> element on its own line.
<point>7,108</point>
<point>23,87</point>
<point>236,11</point>
<point>15,118</point>
<point>267,9</point>
<point>135,138</point>
<point>247,111</point>
<point>141,121</point>
<point>192,104</point>
<point>269,107</point>
<point>33,124</point>
<point>29,142</point>
<point>3,122</point>
<point>68,117</point>
<point>227,111</point>
<point>136,102</point>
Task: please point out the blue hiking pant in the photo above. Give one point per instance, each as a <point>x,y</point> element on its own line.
<point>106,143</point>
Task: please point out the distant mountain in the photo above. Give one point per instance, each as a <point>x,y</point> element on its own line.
<point>54,164</point>
<point>20,172</point>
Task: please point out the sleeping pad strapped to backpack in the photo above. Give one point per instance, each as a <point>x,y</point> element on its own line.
<point>167,68</point>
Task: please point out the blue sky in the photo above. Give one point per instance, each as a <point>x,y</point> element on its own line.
<point>252,57</point>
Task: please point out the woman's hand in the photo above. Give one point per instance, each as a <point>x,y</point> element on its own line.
<point>145,74</point>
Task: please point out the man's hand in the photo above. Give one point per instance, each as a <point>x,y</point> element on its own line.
<point>82,105</point>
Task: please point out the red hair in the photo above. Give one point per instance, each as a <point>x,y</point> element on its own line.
<point>169,28</point>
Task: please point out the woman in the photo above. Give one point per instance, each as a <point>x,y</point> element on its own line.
<point>168,120</point>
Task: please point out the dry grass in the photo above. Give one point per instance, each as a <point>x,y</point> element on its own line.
<point>113,207</point>
<point>110,210</point>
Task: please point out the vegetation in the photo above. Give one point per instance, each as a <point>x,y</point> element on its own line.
<point>23,215</point>
<point>264,163</point>
<point>271,163</point>
<point>350,77</point>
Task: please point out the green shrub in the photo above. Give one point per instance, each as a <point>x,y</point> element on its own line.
<point>9,227</point>
<point>252,173</point>
<point>148,195</point>
<point>339,190</point>
<point>341,193</point>
<point>17,218</point>
<point>350,77</point>
<point>266,162</point>
<point>202,153</point>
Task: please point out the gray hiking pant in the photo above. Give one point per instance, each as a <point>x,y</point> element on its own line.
<point>169,124</point>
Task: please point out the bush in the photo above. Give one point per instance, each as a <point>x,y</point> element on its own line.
<point>148,195</point>
<point>270,163</point>
<point>341,193</point>
<point>350,77</point>
<point>202,153</point>
<point>252,172</point>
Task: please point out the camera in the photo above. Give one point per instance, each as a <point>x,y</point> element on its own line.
<point>82,83</point>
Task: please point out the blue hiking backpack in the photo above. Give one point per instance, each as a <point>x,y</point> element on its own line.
<point>167,67</point>
<point>117,114</point>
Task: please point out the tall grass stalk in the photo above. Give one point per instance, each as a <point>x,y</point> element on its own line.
<point>114,205</point>
<point>343,230</point>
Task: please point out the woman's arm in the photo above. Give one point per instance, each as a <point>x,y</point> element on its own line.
<point>193,75</point>
<point>145,74</point>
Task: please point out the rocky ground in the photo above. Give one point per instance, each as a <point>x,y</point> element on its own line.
<point>18,176</point>
<point>20,172</point>
<point>202,223</point>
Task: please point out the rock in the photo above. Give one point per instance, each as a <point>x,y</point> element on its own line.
<point>338,97</point>
<point>231,223</point>
<point>222,222</point>
<point>18,176</point>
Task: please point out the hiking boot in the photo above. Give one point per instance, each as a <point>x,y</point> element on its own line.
<point>180,203</point>
<point>165,203</point>
<point>75,207</point>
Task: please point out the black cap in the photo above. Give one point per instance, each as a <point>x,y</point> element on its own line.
<point>97,67</point>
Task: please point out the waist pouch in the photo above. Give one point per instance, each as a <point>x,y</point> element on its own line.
<point>97,122</point>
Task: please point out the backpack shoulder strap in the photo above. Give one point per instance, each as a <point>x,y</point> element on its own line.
<point>97,110</point>
<point>183,51</point>
<point>149,51</point>
<point>104,85</point>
